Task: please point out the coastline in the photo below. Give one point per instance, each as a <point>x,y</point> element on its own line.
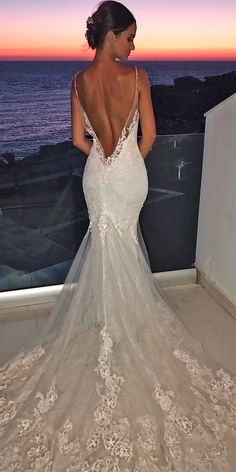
<point>178,109</point>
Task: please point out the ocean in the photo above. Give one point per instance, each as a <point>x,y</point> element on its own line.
<point>35,97</point>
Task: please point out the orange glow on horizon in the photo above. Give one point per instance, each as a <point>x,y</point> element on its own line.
<point>166,30</point>
<point>141,55</point>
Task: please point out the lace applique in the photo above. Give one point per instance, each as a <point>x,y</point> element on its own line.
<point>175,422</point>
<point>199,458</point>
<point>102,222</point>
<point>35,434</point>
<point>15,372</point>
<point>202,377</point>
<point>36,430</point>
<point>198,440</point>
<point>8,410</point>
<point>220,390</point>
<point>71,449</point>
<point>102,226</point>
<point>208,458</point>
<point>147,439</point>
<point>112,383</point>
<point>19,366</point>
<point>114,434</point>
<point>48,401</point>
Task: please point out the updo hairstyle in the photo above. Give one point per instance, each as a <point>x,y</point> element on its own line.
<point>110,16</point>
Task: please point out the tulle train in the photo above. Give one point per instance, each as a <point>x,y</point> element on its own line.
<point>115,382</point>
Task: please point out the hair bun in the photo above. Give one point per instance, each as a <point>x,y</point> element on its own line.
<point>91,32</point>
<point>110,16</point>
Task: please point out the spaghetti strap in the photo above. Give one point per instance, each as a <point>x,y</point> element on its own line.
<point>74,82</point>
<point>136,78</point>
<point>82,112</point>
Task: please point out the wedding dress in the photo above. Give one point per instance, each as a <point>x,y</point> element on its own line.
<point>114,381</point>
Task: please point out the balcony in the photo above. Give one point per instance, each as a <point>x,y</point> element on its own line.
<point>188,223</point>
<point>44,215</point>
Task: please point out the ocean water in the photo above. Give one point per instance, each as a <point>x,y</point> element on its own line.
<point>35,97</point>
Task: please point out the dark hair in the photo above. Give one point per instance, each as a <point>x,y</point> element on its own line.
<point>110,16</point>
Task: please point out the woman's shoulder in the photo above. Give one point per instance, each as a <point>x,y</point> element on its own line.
<point>80,76</point>
<point>142,74</point>
<point>77,75</point>
<point>143,79</point>
<point>127,70</point>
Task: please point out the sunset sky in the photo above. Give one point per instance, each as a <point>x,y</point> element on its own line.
<point>166,29</point>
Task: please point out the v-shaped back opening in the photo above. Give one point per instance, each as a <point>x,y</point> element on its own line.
<point>88,126</point>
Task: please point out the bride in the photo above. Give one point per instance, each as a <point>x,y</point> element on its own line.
<point>114,382</point>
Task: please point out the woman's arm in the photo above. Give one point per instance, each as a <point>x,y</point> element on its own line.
<point>146,114</point>
<point>77,128</point>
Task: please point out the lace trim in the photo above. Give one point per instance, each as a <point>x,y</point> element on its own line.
<point>127,130</point>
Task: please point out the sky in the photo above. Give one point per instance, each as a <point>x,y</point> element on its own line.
<point>166,29</point>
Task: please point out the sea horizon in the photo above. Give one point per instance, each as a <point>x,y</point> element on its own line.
<point>35,96</point>
<point>130,60</point>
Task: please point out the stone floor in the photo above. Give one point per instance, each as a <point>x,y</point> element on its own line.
<point>205,318</point>
<point>208,321</point>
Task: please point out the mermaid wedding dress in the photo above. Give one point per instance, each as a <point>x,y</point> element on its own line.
<point>114,382</point>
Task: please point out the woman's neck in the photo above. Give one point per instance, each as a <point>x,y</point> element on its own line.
<point>104,58</point>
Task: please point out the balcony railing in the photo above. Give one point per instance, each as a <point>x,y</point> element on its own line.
<point>44,215</point>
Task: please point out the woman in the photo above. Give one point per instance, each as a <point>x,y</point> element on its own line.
<point>114,382</point>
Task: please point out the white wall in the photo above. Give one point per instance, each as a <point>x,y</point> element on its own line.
<point>216,239</point>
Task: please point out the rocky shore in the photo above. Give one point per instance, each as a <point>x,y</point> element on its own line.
<point>180,108</point>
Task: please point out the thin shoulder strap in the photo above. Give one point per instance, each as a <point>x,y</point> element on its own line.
<point>136,78</point>
<point>135,100</point>
<point>80,106</point>
<point>76,91</point>
<point>74,81</point>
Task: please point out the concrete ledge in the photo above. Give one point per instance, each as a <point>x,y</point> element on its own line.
<point>29,296</point>
<point>217,293</point>
<point>39,295</point>
<point>172,278</point>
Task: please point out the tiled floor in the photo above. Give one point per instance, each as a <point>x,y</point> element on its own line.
<point>205,318</point>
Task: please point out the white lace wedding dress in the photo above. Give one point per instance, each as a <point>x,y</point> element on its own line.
<point>114,381</point>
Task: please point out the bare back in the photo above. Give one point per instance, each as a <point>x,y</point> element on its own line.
<point>107,98</point>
